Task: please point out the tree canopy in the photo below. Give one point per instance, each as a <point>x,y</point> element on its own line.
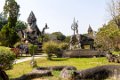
<point>108,36</point>
<point>8,35</point>
<point>59,36</point>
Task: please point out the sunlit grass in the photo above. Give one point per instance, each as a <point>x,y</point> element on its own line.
<point>79,63</point>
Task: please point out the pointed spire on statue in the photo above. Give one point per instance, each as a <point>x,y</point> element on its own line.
<point>74,20</point>
<point>90,29</point>
<point>31,18</point>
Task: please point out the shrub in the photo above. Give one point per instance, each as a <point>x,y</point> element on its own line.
<point>52,48</point>
<point>32,47</point>
<point>7,58</point>
<point>63,46</point>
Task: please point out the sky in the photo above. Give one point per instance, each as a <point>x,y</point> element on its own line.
<point>59,14</point>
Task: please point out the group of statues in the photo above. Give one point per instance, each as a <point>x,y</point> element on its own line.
<point>32,33</point>
<point>79,41</point>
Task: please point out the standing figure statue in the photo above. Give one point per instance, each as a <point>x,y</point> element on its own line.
<point>75,37</point>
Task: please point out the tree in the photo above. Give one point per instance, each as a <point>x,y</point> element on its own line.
<point>108,36</point>
<point>46,37</point>
<point>114,9</point>
<point>3,21</point>
<point>11,10</point>
<point>67,39</point>
<point>9,36</point>
<point>59,36</point>
<point>20,25</point>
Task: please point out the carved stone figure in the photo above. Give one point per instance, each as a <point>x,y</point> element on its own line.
<point>32,30</point>
<point>43,31</point>
<point>79,41</point>
<point>74,26</point>
<point>75,38</point>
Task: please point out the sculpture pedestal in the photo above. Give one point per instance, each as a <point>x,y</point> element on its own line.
<point>82,53</point>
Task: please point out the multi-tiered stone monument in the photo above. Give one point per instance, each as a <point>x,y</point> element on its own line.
<point>78,42</point>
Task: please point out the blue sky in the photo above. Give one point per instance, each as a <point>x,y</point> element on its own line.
<point>59,14</point>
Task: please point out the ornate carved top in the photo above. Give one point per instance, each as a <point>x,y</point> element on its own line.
<point>32,30</point>
<point>90,29</point>
<point>31,18</point>
<point>74,26</point>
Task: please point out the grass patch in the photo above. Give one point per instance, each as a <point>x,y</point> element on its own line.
<point>79,63</point>
<point>116,52</point>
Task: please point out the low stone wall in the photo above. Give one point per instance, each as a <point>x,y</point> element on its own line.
<point>82,53</point>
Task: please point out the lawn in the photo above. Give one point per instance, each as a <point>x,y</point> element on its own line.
<point>79,63</point>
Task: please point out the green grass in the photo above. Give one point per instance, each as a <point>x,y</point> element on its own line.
<point>79,63</point>
<point>116,52</point>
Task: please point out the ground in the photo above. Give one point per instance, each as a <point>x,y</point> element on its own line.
<point>80,63</point>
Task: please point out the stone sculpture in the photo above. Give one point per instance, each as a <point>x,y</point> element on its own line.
<point>75,38</point>
<point>79,41</point>
<point>32,30</point>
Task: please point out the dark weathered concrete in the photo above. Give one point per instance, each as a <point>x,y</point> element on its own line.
<point>98,73</point>
<point>35,74</point>
<point>3,75</point>
<point>82,53</point>
<point>67,73</point>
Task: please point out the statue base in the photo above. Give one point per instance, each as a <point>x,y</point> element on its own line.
<point>83,53</point>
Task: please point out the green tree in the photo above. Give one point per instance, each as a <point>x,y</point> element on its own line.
<point>59,36</point>
<point>3,20</point>
<point>20,25</point>
<point>108,36</point>
<point>45,38</point>
<point>9,36</point>
<point>11,10</point>
<point>67,39</point>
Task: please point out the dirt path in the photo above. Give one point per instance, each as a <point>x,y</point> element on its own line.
<point>29,58</point>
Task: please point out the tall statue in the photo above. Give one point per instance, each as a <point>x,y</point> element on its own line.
<point>75,38</point>
<point>32,30</point>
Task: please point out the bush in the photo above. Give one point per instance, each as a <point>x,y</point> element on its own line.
<point>32,47</point>
<point>52,48</point>
<point>64,46</point>
<point>7,58</point>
